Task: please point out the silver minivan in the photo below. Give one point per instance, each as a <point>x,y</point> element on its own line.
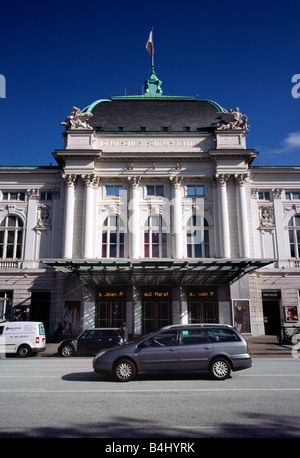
<point>217,349</point>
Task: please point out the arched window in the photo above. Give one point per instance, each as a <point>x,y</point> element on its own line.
<point>113,238</point>
<point>294,236</point>
<point>197,237</point>
<point>155,238</point>
<point>11,238</point>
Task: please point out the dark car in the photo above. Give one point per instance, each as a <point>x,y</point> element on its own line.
<point>217,349</point>
<point>91,341</point>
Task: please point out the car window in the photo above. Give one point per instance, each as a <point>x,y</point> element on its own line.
<point>91,334</point>
<point>164,339</point>
<point>1,329</point>
<point>110,333</point>
<point>223,335</point>
<point>194,336</point>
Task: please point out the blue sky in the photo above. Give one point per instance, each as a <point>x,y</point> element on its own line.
<point>56,54</point>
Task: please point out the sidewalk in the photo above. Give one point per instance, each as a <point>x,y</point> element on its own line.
<point>258,346</point>
<point>267,346</point>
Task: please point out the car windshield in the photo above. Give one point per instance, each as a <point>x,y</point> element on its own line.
<point>141,339</point>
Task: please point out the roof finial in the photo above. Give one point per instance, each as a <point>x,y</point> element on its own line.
<point>153,85</point>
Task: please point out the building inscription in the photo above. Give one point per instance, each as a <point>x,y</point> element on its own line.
<point>137,143</point>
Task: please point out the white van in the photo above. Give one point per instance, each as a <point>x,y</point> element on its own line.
<point>22,337</point>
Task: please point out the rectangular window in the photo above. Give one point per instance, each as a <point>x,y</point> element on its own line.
<point>292,195</point>
<point>5,305</point>
<point>194,337</point>
<point>156,190</point>
<point>264,195</point>
<point>195,191</point>
<point>223,335</point>
<point>14,195</point>
<point>114,191</point>
<point>46,196</point>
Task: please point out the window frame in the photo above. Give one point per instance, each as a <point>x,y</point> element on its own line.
<point>294,237</point>
<point>113,238</point>
<point>156,193</point>
<point>116,190</point>
<point>11,242</point>
<point>155,238</point>
<point>194,232</point>
<point>194,187</point>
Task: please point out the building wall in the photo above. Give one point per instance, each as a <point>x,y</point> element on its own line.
<point>265,225</point>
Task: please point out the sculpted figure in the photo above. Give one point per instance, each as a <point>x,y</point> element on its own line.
<point>77,120</point>
<point>234,119</point>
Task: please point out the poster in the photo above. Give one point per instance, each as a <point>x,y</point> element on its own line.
<point>291,313</point>
<point>241,315</point>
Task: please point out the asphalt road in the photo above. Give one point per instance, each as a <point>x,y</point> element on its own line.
<point>64,398</point>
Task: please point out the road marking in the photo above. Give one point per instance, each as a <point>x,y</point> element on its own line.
<point>200,390</point>
<point>269,375</point>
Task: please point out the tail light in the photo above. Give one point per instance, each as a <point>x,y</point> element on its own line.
<point>37,340</point>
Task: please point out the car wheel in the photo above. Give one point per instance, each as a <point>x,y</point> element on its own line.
<point>124,370</point>
<point>24,351</point>
<point>220,369</point>
<point>67,350</point>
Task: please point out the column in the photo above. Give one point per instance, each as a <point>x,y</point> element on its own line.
<point>223,215</point>
<point>67,251</point>
<point>134,217</point>
<point>177,213</point>
<point>242,215</point>
<point>30,242</point>
<point>89,221</point>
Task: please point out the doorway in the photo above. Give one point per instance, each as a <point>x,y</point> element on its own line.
<point>271,310</point>
<point>40,308</point>
<point>156,314</point>
<point>203,312</point>
<point>110,314</point>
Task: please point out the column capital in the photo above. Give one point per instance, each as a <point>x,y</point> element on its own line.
<point>91,180</point>
<point>241,178</point>
<point>135,181</point>
<point>277,193</point>
<point>69,179</point>
<point>222,178</point>
<point>33,193</point>
<point>176,181</point>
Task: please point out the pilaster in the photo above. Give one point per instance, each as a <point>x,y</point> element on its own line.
<point>70,181</point>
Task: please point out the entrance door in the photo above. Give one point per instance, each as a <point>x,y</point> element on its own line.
<point>203,312</point>
<point>40,308</point>
<point>111,314</point>
<point>156,315</point>
<point>271,311</point>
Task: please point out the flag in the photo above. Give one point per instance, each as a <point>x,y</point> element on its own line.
<point>149,44</point>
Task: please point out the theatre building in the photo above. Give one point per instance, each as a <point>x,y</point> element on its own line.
<point>153,215</point>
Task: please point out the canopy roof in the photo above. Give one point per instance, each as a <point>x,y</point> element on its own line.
<point>210,271</point>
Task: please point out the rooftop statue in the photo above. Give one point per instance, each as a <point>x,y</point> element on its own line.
<point>77,120</point>
<point>232,120</point>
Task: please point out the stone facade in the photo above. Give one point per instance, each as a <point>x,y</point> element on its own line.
<point>151,228</point>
